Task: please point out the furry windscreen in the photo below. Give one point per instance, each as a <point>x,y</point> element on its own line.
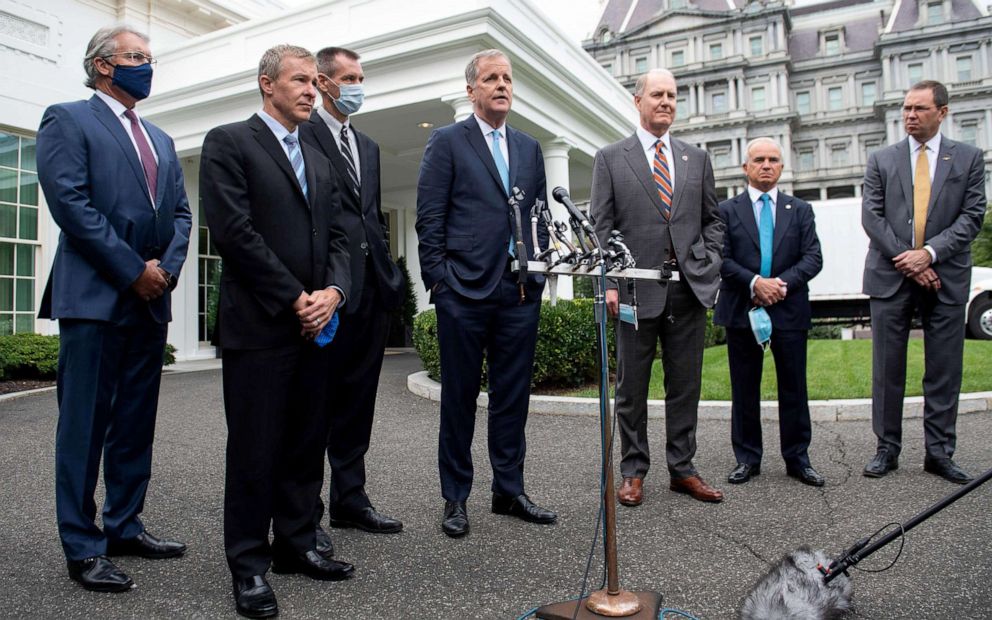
<point>794,589</point>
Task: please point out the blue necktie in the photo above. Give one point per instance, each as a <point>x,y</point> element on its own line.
<point>504,175</point>
<point>296,160</point>
<point>766,232</point>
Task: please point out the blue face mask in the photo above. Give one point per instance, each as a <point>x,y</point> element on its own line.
<point>350,98</point>
<point>135,81</point>
<point>761,325</point>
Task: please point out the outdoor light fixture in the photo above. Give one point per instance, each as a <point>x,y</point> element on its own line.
<point>425,125</point>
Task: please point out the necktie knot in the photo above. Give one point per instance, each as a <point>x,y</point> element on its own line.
<point>291,140</point>
<point>659,146</point>
<point>765,198</point>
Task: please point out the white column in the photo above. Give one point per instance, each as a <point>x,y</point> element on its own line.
<point>852,95</point>
<point>735,151</point>
<point>857,190</point>
<point>772,40</point>
<point>184,331</point>
<point>983,58</point>
<point>738,42</point>
<point>702,98</point>
<point>556,171</point>
<point>460,103</point>
<point>786,142</point>
<point>732,94</point>
<point>772,101</point>
<point>987,137</point>
<point>693,110</point>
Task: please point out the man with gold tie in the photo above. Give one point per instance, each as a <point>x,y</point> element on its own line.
<point>923,204</point>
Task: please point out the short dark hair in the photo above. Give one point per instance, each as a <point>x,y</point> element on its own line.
<point>327,59</point>
<point>940,97</point>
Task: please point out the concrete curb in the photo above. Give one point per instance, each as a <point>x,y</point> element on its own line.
<point>820,410</point>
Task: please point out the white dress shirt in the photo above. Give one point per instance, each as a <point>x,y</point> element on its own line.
<point>119,109</point>
<point>487,133</point>
<point>335,126</point>
<point>648,141</point>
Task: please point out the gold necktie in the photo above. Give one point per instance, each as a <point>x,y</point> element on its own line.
<point>921,196</point>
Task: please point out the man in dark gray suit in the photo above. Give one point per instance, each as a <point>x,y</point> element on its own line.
<point>659,192</point>
<point>923,204</point>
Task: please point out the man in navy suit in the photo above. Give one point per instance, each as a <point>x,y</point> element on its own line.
<point>770,253</point>
<point>114,186</point>
<point>464,227</point>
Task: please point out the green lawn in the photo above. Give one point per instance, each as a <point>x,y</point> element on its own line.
<point>837,369</point>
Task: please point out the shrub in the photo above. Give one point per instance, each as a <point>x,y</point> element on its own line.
<point>169,355</point>
<point>825,332</point>
<point>981,247</point>
<point>715,334</point>
<point>28,356</point>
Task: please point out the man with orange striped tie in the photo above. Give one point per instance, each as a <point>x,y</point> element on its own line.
<point>659,192</point>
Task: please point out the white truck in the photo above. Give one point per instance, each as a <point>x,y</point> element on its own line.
<point>836,291</point>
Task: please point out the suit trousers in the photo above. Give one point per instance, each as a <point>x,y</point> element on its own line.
<point>505,332</point>
<point>746,358</point>
<point>681,330</point>
<point>943,341</point>
<point>276,438</point>
<point>356,353</point>
<point>107,389</point>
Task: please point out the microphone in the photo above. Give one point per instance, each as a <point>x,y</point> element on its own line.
<point>561,195</point>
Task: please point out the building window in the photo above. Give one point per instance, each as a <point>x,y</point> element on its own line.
<point>914,73</point>
<point>757,46</point>
<point>964,68</point>
<point>868,94</point>
<point>969,134</point>
<point>608,68</point>
<point>640,65</point>
<point>807,159</point>
<point>831,45</point>
<point>935,13</point>
<point>718,103</point>
<point>802,102</point>
<point>677,4</point>
<point>835,98</point>
<point>18,232</point>
<point>838,156</point>
<point>871,146</point>
<point>758,101</point>
<point>720,154</point>
<point>716,51</point>
<point>682,107</point>
<point>678,58</point>
<point>209,265</point>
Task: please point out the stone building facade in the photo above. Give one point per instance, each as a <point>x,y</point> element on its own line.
<point>826,79</point>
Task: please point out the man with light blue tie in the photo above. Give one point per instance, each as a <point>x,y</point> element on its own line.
<point>464,226</point>
<point>770,253</point>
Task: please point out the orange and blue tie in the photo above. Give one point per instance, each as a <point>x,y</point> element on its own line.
<point>662,177</point>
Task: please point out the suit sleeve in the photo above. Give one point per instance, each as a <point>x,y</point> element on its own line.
<point>224,192</point>
<point>338,258</point>
<point>957,237</point>
<point>732,271</point>
<point>175,255</point>
<point>882,237</point>
<point>713,227</point>
<point>602,203</point>
<point>63,163</point>
<point>811,260</point>
<point>433,196</point>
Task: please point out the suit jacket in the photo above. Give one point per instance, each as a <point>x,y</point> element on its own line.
<point>796,259</point>
<point>361,217</point>
<point>275,241</point>
<point>624,198</point>
<point>463,218</point>
<point>954,216</point>
<point>96,191</point>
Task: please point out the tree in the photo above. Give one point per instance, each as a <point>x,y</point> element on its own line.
<point>981,247</point>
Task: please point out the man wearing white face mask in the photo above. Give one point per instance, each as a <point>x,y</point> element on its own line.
<point>377,282</point>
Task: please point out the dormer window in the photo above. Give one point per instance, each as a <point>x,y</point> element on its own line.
<point>677,4</point>
<point>831,44</point>
<point>604,35</point>
<point>935,12</point>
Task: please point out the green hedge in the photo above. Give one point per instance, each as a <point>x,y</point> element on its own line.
<point>33,356</point>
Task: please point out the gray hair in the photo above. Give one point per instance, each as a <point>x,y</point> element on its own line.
<point>103,44</point>
<point>472,68</point>
<point>761,140</point>
<point>271,62</point>
<point>643,80</point>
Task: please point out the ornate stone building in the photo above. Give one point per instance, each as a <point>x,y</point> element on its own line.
<point>826,79</point>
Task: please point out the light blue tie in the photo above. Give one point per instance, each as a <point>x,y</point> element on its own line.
<point>766,232</point>
<point>296,160</point>
<point>504,175</point>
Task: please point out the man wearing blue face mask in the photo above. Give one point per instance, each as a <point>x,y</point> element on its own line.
<point>770,253</point>
<point>115,188</point>
<point>376,284</point>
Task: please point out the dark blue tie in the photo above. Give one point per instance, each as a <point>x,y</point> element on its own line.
<point>766,232</point>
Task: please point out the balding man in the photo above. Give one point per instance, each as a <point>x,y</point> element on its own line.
<point>770,253</point>
<point>659,192</point>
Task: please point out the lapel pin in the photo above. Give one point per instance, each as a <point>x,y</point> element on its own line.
<point>946,158</point>
<point>685,158</point>
<point>787,207</point>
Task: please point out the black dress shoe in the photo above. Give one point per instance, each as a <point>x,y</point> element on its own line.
<point>99,575</point>
<point>883,463</point>
<point>146,546</point>
<point>946,469</point>
<point>455,521</point>
<point>743,472</point>
<point>325,546</point>
<point>522,508</point>
<point>367,519</point>
<point>314,566</point>
<point>807,475</point>
<point>254,598</point>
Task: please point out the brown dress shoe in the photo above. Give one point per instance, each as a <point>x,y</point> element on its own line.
<point>631,492</point>
<point>697,488</point>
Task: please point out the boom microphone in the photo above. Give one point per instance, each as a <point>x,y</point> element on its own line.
<point>561,195</point>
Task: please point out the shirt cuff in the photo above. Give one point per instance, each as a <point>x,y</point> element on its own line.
<point>751,286</point>
<point>933,253</point>
<point>340,292</point>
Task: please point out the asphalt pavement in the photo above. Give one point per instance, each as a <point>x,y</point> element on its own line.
<point>702,558</point>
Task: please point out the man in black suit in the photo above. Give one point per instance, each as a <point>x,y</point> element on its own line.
<point>463,223</point>
<point>376,286</point>
<point>770,253</point>
<point>274,213</point>
<point>922,206</point>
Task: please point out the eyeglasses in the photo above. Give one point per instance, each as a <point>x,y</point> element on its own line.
<point>137,58</point>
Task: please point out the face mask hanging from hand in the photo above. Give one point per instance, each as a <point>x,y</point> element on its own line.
<point>135,81</point>
<point>761,326</point>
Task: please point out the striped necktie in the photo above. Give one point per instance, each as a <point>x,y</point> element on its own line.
<point>662,177</point>
<point>349,160</point>
<point>296,160</point>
